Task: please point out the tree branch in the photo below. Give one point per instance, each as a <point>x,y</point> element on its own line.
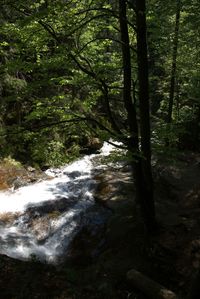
<point>104,38</point>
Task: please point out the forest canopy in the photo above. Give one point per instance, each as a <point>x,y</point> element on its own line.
<point>62,75</point>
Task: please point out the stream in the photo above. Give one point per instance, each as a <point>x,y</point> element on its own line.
<point>44,217</point>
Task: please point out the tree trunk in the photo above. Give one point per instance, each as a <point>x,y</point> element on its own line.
<point>174,62</point>
<point>144,107</point>
<point>141,167</point>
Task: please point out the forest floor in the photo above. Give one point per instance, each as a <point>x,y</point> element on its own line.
<point>171,257</point>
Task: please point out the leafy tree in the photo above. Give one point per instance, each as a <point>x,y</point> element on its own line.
<point>96,67</point>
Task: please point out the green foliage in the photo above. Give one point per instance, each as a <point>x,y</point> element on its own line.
<point>10,162</point>
<point>59,59</point>
<point>51,154</point>
<point>14,84</point>
<point>165,133</point>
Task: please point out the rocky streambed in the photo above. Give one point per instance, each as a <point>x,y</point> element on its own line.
<point>40,220</point>
<point>108,238</point>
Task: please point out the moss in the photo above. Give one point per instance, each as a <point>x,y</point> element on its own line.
<point>54,214</point>
<point>10,162</point>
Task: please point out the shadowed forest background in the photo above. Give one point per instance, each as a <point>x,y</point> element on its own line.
<point>74,74</point>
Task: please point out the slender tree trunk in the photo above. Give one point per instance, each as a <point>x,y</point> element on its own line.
<point>144,106</point>
<point>174,62</point>
<point>127,82</point>
<point>141,169</point>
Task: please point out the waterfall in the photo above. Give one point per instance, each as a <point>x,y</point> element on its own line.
<point>46,216</point>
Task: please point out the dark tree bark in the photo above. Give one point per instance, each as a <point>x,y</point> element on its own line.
<point>142,166</point>
<point>144,107</point>
<point>174,62</point>
<point>127,82</point>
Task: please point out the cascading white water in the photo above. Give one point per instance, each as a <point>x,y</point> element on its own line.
<point>50,213</point>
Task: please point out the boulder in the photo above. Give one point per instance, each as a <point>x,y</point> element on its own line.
<point>93,146</point>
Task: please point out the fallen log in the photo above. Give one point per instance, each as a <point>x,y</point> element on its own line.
<point>149,287</point>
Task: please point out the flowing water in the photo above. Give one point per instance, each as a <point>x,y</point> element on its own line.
<point>44,217</point>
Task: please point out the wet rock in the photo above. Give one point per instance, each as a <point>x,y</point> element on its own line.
<point>92,146</point>
<point>23,220</point>
<point>73,174</point>
<point>8,218</point>
<point>59,205</point>
<point>90,241</point>
<point>53,172</point>
<point>31,169</point>
<point>95,143</point>
<point>19,182</point>
<point>41,228</point>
